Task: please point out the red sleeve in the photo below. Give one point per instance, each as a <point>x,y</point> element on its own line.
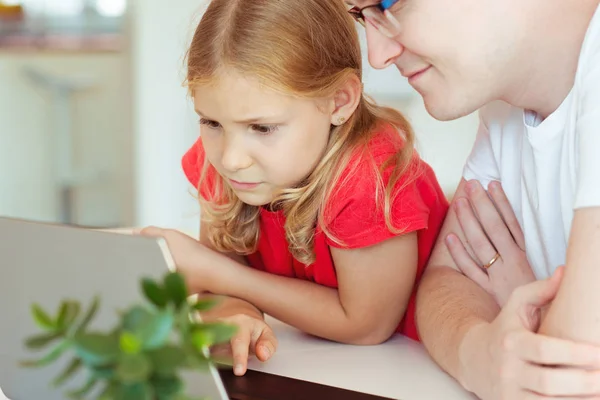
<point>356,217</point>
<point>192,164</point>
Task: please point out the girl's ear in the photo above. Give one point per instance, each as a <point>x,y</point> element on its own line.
<point>345,100</point>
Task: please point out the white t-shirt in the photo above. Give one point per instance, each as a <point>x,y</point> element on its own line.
<point>547,168</point>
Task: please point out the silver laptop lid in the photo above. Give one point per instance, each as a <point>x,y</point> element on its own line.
<point>44,264</point>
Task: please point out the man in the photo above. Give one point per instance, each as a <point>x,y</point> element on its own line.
<point>532,67</point>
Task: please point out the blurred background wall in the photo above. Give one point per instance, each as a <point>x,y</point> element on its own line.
<point>94,119</point>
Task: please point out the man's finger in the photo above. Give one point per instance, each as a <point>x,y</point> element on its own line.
<point>536,294</point>
<point>490,219</point>
<point>559,382</point>
<point>465,262</point>
<point>474,233</point>
<point>545,350</point>
<point>240,345</point>
<point>528,395</point>
<point>506,211</point>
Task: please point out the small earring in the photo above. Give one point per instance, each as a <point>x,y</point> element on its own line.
<point>341,120</point>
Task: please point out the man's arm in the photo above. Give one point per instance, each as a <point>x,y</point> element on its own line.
<point>448,303</point>
<point>497,354</point>
<point>575,313</point>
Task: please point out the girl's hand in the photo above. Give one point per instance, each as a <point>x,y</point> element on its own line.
<point>493,237</point>
<point>254,337</point>
<point>193,260</point>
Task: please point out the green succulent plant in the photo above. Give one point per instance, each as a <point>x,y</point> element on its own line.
<point>143,356</point>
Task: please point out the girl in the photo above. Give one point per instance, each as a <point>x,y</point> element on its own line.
<point>315,207</point>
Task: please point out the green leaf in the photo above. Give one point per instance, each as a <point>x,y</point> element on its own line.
<point>42,318</point>
<point>151,328</point>
<point>85,389</point>
<point>195,360</point>
<point>204,305</point>
<point>89,315</point>
<point>62,313</point>
<point>154,293</point>
<point>49,358</point>
<point>103,372</point>
<point>167,360</point>
<point>129,343</point>
<point>156,331</point>
<point>138,391</point>
<point>68,372</point>
<point>135,318</point>
<point>108,393</point>
<point>221,332</point>
<point>96,349</point>
<point>203,339</point>
<point>69,311</point>
<point>175,288</point>
<point>39,341</point>
<point>167,388</point>
<point>183,318</point>
<point>133,368</point>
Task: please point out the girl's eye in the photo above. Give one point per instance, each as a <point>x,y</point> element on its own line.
<point>209,123</point>
<point>264,129</point>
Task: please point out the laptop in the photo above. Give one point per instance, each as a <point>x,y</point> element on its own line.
<point>46,263</point>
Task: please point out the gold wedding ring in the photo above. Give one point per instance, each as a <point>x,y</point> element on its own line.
<point>492,261</point>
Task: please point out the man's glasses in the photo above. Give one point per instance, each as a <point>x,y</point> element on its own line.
<point>378,14</point>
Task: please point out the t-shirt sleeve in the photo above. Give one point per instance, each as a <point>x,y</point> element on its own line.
<point>192,164</point>
<point>481,164</point>
<point>587,192</point>
<point>355,215</point>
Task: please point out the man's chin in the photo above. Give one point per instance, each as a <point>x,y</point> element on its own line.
<point>445,110</point>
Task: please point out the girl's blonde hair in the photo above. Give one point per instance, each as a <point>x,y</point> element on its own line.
<point>304,48</point>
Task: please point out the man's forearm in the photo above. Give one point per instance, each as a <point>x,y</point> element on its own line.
<point>574,313</point>
<point>448,306</point>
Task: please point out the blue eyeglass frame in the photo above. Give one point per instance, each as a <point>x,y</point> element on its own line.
<point>387,4</point>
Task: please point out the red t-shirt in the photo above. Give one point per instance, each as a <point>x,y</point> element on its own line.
<point>353,216</point>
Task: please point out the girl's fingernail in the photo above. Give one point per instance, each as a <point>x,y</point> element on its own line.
<point>267,351</point>
<point>238,369</point>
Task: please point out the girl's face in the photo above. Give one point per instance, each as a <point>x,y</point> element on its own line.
<point>258,140</point>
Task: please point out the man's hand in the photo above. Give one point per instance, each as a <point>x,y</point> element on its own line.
<point>493,235</point>
<point>506,359</point>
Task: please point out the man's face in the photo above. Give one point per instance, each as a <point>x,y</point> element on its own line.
<point>455,53</point>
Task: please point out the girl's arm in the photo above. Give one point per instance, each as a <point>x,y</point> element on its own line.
<point>375,284</point>
<point>253,335</point>
<point>228,306</point>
